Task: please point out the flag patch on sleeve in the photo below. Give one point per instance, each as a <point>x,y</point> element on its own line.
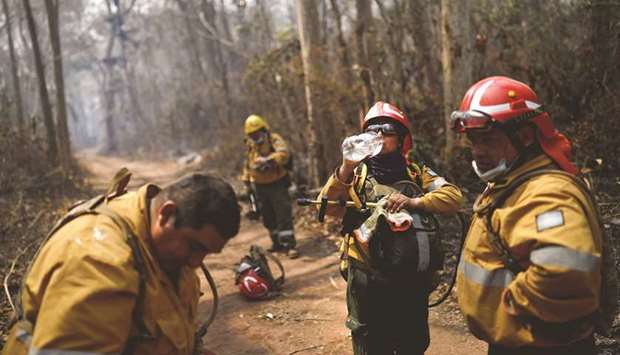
<point>550,219</point>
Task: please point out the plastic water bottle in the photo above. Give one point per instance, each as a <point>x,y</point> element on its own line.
<point>356,148</point>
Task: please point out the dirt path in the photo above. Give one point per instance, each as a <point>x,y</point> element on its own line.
<point>308,318</point>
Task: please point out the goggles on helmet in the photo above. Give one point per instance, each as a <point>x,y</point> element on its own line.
<point>387,129</point>
<point>463,120</point>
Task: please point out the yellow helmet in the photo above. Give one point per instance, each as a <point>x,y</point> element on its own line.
<point>253,123</point>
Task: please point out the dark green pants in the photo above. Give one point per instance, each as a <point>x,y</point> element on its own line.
<point>277,213</point>
<point>387,315</point>
<point>581,347</point>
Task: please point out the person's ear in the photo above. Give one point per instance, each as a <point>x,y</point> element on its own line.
<point>166,214</point>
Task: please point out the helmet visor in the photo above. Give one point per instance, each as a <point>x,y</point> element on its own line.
<point>464,120</point>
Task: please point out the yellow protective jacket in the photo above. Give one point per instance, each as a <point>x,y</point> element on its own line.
<point>551,228</point>
<point>81,291</point>
<point>439,197</point>
<point>273,148</point>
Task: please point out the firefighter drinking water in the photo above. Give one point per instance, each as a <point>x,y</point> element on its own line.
<point>389,255</point>
<point>265,171</point>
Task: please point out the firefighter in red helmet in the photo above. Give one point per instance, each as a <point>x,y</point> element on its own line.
<point>387,301</point>
<point>530,273</point>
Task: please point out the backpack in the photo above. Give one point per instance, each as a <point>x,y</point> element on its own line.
<point>412,251</point>
<point>608,304</point>
<point>254,276</point>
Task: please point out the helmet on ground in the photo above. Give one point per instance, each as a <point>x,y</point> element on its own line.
<point>385,110</point>
<point>509,104</point>
<point>252,285</point>
<point>254,276</point>
<point>254,123</point>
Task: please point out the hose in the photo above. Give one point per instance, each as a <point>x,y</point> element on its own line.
<point>202,331</point>
<point>443,297</point>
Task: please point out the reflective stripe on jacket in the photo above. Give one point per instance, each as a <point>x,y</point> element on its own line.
<point>440,197</point>
<point>551,228</point>
<point>82,288</point>
<point>274,148</point>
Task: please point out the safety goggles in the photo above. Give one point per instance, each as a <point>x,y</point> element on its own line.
<point>387,129</point>
<point>463,120</point>
<point>258,136</point>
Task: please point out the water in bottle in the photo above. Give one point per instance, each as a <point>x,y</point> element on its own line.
<point>356,148</point>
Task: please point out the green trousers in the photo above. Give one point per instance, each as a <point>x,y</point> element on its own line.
<point>387,315</point>
<point>277,213</point>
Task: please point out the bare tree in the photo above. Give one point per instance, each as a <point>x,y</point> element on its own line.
<point>14,68</point>
<point>309,36</point>
<point>457,60</point>
<point>46,107</point>
<point>64,142</point>
<point>364,18</point>
<point>424,35</point>
<point>343,50</point>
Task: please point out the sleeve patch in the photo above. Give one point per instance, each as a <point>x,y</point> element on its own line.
<point>550,219</point>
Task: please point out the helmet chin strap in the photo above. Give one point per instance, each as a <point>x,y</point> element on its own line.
<point>503,167</point>
<point>490,175</point>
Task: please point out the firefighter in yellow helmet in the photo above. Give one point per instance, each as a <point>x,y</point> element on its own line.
<point>116,275</point>
<point>265,171</point>
<point>530,273</point>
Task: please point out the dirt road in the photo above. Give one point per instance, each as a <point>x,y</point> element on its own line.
<point>308,317</point>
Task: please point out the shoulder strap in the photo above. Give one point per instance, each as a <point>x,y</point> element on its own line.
<point>361,173</point>
<point>415,172</point>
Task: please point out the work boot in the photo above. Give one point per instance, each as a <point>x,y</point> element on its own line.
<point>292,253</point>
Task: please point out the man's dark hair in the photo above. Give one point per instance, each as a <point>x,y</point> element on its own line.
<point>204,199</point>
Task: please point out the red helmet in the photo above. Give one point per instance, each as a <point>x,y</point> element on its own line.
<point>507,103</point>
<point>252,285</point>
<point>384,110</point>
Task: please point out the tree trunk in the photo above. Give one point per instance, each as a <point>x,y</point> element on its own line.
<point>309,36</point>
<point>364,18</point>
<point>219,64</point>
<point>605,38</point>
<point>46,107</point>
<point>193,43</point>
<point>345,61</point>
<point>424,35</point>
<point>19,108</point>
<point>110,84</point>
<point>64,141</point>
<point>457,58</point>
<point>266,33</point>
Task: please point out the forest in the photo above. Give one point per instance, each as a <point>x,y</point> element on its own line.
<point>164,80</point>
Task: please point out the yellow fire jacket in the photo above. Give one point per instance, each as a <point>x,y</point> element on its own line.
<point>440,197</point>
<point>82,288</point>
<point>276,150</point>
<point>551,229</point>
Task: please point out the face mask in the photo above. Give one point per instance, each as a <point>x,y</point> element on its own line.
<point>492,174</point>
<point>260,139</point>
